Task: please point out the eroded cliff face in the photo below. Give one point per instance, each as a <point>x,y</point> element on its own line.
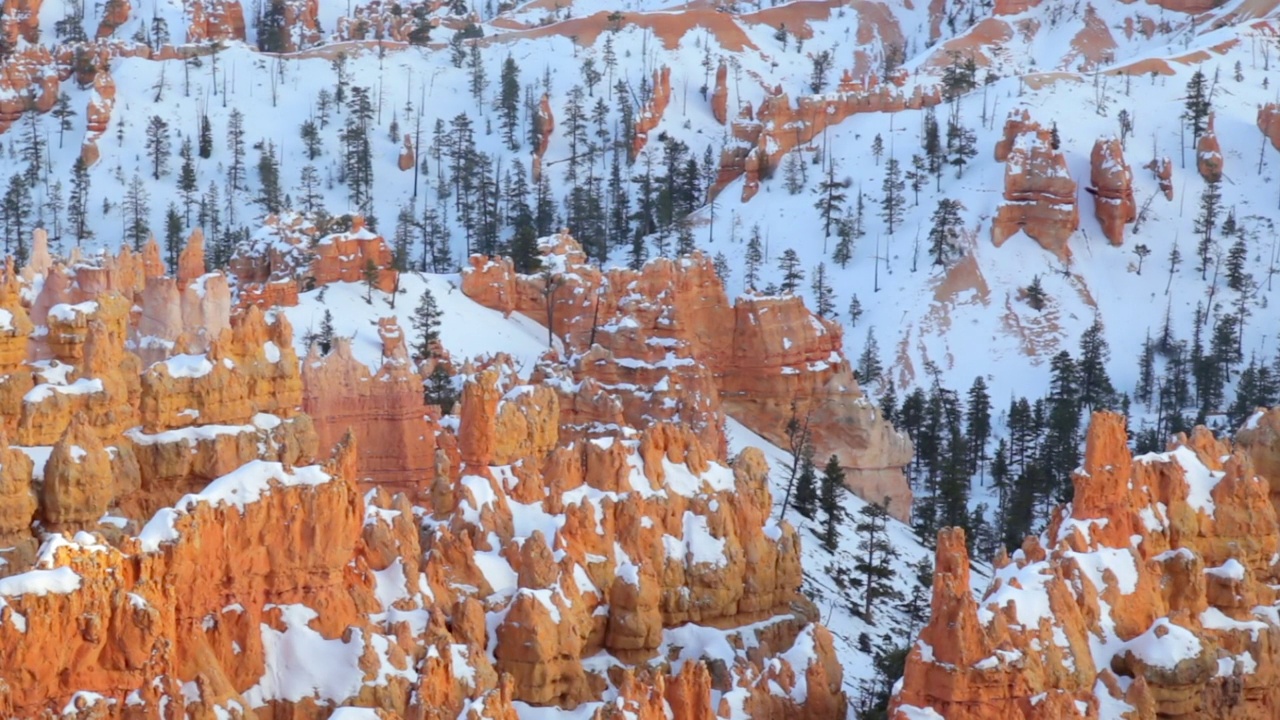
<point>175,540</point>
<point>1039,193</point>
<point>1151,595</point>
<point>665,344</point>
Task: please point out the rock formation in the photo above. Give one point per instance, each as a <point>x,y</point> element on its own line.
<point>663,343</point>
<point>1111,184</point>
<point>214,20</point>
<point>720,96</point>
<point>651,114</point>
<point>1269,123</point>
<point>291,254</point>
<point>1209,154</point>
<point>1148,596</point>
<point>171,541</point>
<point>1039,195</point>
<point>1163,170</point>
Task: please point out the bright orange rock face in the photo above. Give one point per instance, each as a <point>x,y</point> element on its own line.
<point>1150,595</point>
<point>1269,123</point>
<point>1112,188</point>
<point>664,344</point>
<point>1209,154</point>
<point>1039,195</point>
<point>171,542</point>
<point>290,255</point>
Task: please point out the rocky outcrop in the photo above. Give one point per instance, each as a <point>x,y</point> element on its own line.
<point>1111,184</point>
<point>720,95</point>
<point>1017,123</point>
<point>406,159</point>
<point>385,410</point>
<point>1163,170</point>
<point>1149,595</point>
<point>214,20</point>
<point>29,74</point>
<point>763,138</point>
<point>1269,123</point>
<point>1039,195</point>
<point>651,113</point>
<point>1209,154</point>
<point>98,114</point>
<point>290,254</point>
<point>664,344</point>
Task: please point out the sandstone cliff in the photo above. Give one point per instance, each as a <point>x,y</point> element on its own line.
<point>664,343</point>
<point>1150,595</point>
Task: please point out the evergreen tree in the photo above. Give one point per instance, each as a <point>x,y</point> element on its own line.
<point>136,212</point>
<point>962,145</point>
<point>206,137</point>
<point>869,368</point>
<point>440,389</point>
<point>426,326</point>
<point>793,172</point>
<point>1146,371</point>
<point>1060,453</point>
<point>271,198</point>
<point>325,338</point>
<point>32,147</point>
<point>1238,277</point>
<point>173,236</point>
<point>792,275</point>
<point>370,278</point>
<point>830,500</point>
<point>877,148</point>
<point>54,205</point>
<point>63,111</point>
<point>15,212</point>
<point>78,202</point>
<point>1096,391</point>
<point>1142,251</point>
<point>1198,106</point>
<point>916,605</point>
<point>831,199</point>
<point>311,141</point>
<point>823,294</point>
<point>753,258</point>
<point>944,236</point>
<point>309,198</point>
<point>874,566</point>
<point>1035,293</point>
<point>477,79</point>
<point>188,185</point>
<point>1205,222</point>
<point>235,145</point>
<point>509,103</point>
<point>892,201</point>
<point>978,428</point>
<point>855,310</point>
<point>806,499</point>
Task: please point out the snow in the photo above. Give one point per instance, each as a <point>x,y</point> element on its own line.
<point>301,663</point>
<point>1164,645</point>
<point>187,366</point>
<point>58,581</point>
<point>1229,570</point>
<point>44,391</point>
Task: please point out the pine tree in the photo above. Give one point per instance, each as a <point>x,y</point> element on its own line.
<point>877,148</point>
<point>874,566</point>
<point>54,204</point>
<point>944,236</point>
<point>173,236</point>
<point>206,137</point>
<point>892,201</point>
<point>271,198</point>
<point>63,111</point>
<point>806,498</point>
<point>753,258</point>
<point>78,202</point>
<point>136,212</point>
<point>1096,391</point>
<point>426,326</point>
<point>831,502</point>
<point>792,275</point>
<point>509,103</point>
<point>477,79</point>
<point>1238,277</point>
<point>311,140</point>
<point>1205,222</point>
<point>823,294</point>
<point>1146,371</point>
<point>793,172</point>
<point>188,187</point>
<point>831,199</point>
<point>326,335</point>
<point>916,604</point>
<point>1197,105</point>
<point>978,424</point>
<point>962,145</point>
<point>1035,293</point>
<point>855,310</point>
<point>309,198</point>
<point>235,144</point>
<point>869,368</point>
<point>15,211</point>
<point>440,389</point>
<point>1142,251</point>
